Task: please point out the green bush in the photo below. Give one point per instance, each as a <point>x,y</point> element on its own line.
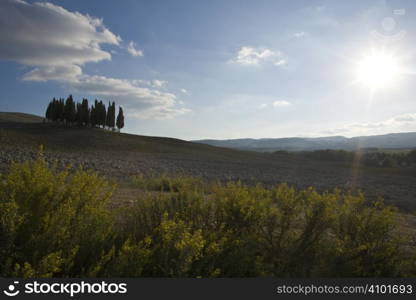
<point>53,223</point>
<point>60,223</point>
<point>166,183</point>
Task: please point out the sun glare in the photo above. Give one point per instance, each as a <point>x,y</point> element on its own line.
<point>378,70</point>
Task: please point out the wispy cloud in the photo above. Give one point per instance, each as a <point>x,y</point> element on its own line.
<point>400,123</point>
<point>274,104</point>
<point>158,83</point>
<point>299,34</point>
<point>57,43</point>
<point>131,48</point>
<point>255,56</point>
<point>142,102</point>
<point>281,103</point>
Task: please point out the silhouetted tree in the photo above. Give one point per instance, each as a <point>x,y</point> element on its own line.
<point>70,110</point>
<point>85,112</point>
<point>48,113</point>
<point>94,114</point>
<point>78,118</point>
<point>120,118</point>
<point>60,110</point>
<point>107,119</point>
<point>111,115</point>
<point>102,114</point>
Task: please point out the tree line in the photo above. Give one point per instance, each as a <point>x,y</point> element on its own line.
<point>74,113</point>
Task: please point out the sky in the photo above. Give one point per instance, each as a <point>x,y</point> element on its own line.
<point>218,69</point>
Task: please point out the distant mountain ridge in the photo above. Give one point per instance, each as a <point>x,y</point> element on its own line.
<point>386,141</point>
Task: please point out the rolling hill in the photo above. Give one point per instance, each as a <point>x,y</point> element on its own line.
<point>387,141</point>
<point>120,156</point>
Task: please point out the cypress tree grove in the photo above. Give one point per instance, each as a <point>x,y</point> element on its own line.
<point>70,112</point>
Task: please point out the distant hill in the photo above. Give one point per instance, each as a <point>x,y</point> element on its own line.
<point>387,141</point>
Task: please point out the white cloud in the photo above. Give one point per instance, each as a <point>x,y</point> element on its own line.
<point>254,56</point>
<point>184,91</point>
<point>263,106</point>
<point>281,103</point>
<point>142,102</point>
<point>44,34</point>
<point>60,73</point>
<point>280,62</point>
<point>57,43</point>
<point>131,48</point>
<point>158,83</point>
<point>299,34</point>
<point>400,123</point>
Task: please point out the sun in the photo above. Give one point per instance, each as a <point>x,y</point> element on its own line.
<point>378,70</point>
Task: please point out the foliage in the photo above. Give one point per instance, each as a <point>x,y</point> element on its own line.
<point>60,223</point>
<point>53,223</point>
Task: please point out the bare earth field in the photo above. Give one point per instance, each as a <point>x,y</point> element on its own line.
<point>120,156</point>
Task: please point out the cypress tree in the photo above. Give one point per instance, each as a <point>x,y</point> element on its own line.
<point>78,115</point>
<point>67,109</point>
<point>120,118</point>
<point>55,110</point>
<point>113,115</point>
<point>85,112</point>
<point>60,110</point>
<point>102,114</point>
<point>94,114</point>
<point>70,110</point>
<point>108,116</point>
<point>48,113</point>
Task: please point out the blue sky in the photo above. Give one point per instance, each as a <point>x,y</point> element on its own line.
<point>217,69</point>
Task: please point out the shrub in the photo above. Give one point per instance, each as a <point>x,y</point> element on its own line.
<point>53,223</point>
<point>59,223</point>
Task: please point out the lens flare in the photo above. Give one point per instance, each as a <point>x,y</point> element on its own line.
<point>378,70</point>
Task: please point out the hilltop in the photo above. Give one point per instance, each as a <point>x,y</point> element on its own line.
<point>17,117</point>
<point>120,156</point>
